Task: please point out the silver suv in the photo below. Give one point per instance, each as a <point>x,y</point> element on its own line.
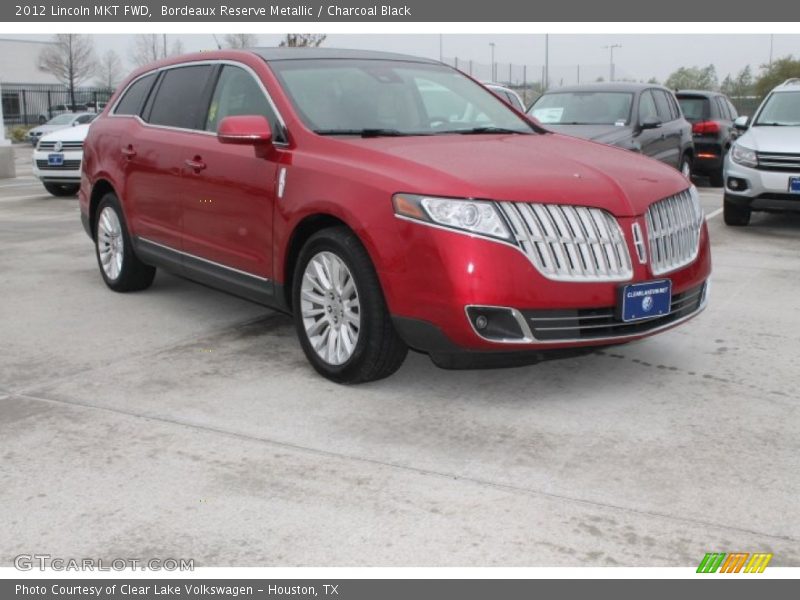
<point>762,169</point>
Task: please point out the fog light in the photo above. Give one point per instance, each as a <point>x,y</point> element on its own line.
<point>736,183</point>
<point>498,323</point>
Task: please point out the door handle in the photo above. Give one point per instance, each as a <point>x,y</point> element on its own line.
<point>196,164</point>
<point>128,152</point>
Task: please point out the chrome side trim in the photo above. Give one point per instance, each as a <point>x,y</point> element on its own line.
<point>193,63</point>
<point>201,259</point>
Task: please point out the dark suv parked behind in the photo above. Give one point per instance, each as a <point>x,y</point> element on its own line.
<point>640,117</point>
<point>711,115</point>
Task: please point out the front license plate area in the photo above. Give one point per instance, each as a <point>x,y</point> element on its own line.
<point>55,160</point>
<point>794,185</point>
<point>639,301</point>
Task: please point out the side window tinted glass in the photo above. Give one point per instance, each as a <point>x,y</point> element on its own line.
<point>662,106</point>
<point>180,101</point>
<point>134,96</point>
<point>647,107</point>
<point>238,93</point>
<point>733,111</point>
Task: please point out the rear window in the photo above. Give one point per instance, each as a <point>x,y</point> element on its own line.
<point>695,108</point>
<point>180,99</point>
<point>134,96</point>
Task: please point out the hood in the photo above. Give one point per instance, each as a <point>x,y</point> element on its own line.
<point>764,138</point>
<point>606,134</point>
<point>68,134</point>
<point>43,129</point>
<point>548,168</point>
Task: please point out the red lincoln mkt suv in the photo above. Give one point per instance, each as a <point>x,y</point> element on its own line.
<point>387,202</point>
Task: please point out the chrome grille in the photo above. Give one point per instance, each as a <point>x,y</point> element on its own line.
<point>67,165</point>
<point>673,231</point>
<point>570,243</point>
<point>64,145</point>
<point>778,162</point>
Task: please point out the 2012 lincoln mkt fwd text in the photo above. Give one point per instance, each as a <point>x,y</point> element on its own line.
<point>387,202</point>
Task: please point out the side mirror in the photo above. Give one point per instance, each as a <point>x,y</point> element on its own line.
<point>251,130</point>
<point>742,122</point>
<point>650,123</point>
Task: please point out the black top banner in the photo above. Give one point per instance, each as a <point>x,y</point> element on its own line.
<point>73,11</point>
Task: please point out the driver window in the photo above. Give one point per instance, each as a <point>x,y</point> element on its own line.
<point>236,94</point>
<point>647,107</point>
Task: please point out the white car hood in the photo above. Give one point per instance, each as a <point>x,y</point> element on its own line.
<point>764,138</point>
<point>68,134</point>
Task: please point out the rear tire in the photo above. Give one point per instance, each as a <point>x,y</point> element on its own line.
<point>119,266</point>
<point>340,313</point>
<point>62,189</point>
<point>734,215</point>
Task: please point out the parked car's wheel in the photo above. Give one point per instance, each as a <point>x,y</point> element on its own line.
<point>734,215</point>
<point>120,267</point>
<point>686,166</point>
<point>716,178</point>
<point>62,189</point>
<point>340,313</point>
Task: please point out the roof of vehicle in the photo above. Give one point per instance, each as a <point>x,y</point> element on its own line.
<point>790,85</point>
<point>606,86</point>
<point>705,93</point>
<point>274,54</point>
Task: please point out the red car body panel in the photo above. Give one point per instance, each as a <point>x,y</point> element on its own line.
<point>229,212</point>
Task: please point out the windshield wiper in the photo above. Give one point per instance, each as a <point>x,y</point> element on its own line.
<point>482,130</point>
<point>366,133</point>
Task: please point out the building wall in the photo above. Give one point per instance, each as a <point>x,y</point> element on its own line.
<point>18,62</point>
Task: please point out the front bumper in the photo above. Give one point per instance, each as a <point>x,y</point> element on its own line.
<point>69,173</point>
<point>759,189</point>
<point>439,274</point>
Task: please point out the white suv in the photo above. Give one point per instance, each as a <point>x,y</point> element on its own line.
<point>762,169</point>
<point>57,160</point>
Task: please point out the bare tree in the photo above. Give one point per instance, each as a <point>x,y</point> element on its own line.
<point>302,40</point>
<point>109,70</point>
<point>241,40</point>
<point>149,47</point>
<point>70,59</point>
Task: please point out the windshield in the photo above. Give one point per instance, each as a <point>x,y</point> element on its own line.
<point>780,109</point>
<point>377,97</point>
<point>61,119</point>
<point>695,108</point>
<point>584,108</point>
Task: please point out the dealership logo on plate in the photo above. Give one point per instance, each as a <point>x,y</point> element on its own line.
<point>647,303</point>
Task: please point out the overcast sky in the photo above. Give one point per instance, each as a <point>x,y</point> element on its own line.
<point>640,57</point>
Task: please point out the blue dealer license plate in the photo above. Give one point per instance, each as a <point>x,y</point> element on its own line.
<point>645,300</point>
<point>55,160</point>
<point>794,185</point>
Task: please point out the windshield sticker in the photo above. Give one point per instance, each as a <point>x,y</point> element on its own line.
<point>548,115</point>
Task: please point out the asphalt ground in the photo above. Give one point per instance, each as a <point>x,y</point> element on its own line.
<point>183,422</point>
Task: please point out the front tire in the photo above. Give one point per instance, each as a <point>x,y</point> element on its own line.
<point>735,215</point>
<point>61,190</point>
<point>120,267</point>
<point>340,313</point>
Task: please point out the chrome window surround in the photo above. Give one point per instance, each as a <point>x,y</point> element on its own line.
<point>673,231</point>
<point>197,63</point>
<point>570,243</point>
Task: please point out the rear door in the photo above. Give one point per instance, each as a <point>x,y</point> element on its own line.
<point>650,140</point>
<point>672,129</point>
<point>229,190</point>
<point>155,151</point>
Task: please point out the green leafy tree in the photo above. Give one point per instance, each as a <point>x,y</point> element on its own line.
<point>776,73</point>
<point>693,78</point>
<point>740,86</point>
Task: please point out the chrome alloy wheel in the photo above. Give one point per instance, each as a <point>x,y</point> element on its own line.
<point>686,169</point>
<point>330,308</point>
<point>110,245</point>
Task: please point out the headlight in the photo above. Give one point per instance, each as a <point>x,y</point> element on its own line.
<point>473,216</point>
<point>744,156</point>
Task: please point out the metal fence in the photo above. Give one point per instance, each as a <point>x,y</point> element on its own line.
<point>33,104</point>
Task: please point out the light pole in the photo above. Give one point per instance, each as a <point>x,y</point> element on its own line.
<point>771,42</point>
<point>611,61</point>
<point>492,46</point>
<point>546,82</point>
<point>441,54</point>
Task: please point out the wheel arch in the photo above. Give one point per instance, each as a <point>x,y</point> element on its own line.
<point>100,188</point>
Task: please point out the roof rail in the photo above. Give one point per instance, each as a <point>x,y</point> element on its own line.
<point>792,81</point>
